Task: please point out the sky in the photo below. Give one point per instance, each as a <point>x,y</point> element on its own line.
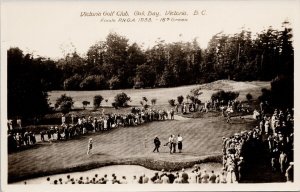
<point>47,28</point>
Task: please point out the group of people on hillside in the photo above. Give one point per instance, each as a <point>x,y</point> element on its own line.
<point>186,107</point>
<point>172,143</point>
<point>217,105</point>
<point>274,132</point>
<point>196,176</point>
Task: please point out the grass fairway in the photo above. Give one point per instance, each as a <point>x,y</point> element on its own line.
<point>202,137</point>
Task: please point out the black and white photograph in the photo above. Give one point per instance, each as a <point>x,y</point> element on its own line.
<point>181,95</point>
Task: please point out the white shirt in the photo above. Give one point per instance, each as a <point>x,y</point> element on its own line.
<point>123,181</point>
<point>19,122</point>
<point>179,139</point>
<point>63,119</point>
<point>193,178</point>
<point>105,123</point>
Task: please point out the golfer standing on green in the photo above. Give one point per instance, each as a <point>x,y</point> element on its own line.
<point>90,146</point>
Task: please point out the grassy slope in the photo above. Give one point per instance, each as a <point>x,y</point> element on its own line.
<point>164,94</point>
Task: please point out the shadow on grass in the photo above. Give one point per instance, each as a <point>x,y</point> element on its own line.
<point>100,154</point>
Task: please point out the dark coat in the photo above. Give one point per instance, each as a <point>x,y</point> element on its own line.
<point>156,142</point>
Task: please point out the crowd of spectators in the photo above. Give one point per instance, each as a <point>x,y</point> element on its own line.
<point>195,176</point>
<point>104,122</point>
<point>80,125</point>
<point>274,134</point>
<point>20,138</point>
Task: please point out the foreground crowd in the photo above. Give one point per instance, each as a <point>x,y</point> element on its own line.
<point>274,132</point>
<point>163,177</point>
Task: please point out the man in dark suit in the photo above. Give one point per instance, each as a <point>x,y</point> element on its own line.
<point>156,144</point>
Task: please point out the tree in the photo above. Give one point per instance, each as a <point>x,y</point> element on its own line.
<point>121,100</point>
<point>51,75</point>
<point>116,64</point>
<point>97,101</point>
<point>145,74</point>
<point>145,105</point>
<point>265,96</point>
<point>135,58</point>
<point>93,82</point>
<point>114,83</point>
<point>73,64</point>
<point>153,101</point>
<point>196,63</point>
<point>145,99</point>
<point>157,58</point>
<point>178,63</point>
<point>168,78</point>
<point>172,102</point>
<point>64,103</point>
<point>115,59</point>
<point>180,99</point>
<point>95,57</point>
<point>282,92</point>
<point>26,96</point>
<point>194,99</point>
<point>286,50</point>
<point>224,96</point>
<point>73,83</point>
<point>249,97</point>
<point>85,103</point>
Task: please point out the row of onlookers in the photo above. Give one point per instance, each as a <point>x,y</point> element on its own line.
<point>196,176</point>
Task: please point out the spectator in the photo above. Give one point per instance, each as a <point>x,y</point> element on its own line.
<point>213,177</point>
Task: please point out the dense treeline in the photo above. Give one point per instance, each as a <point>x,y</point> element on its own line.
<point>26,89</point>
<point>116,64</point>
